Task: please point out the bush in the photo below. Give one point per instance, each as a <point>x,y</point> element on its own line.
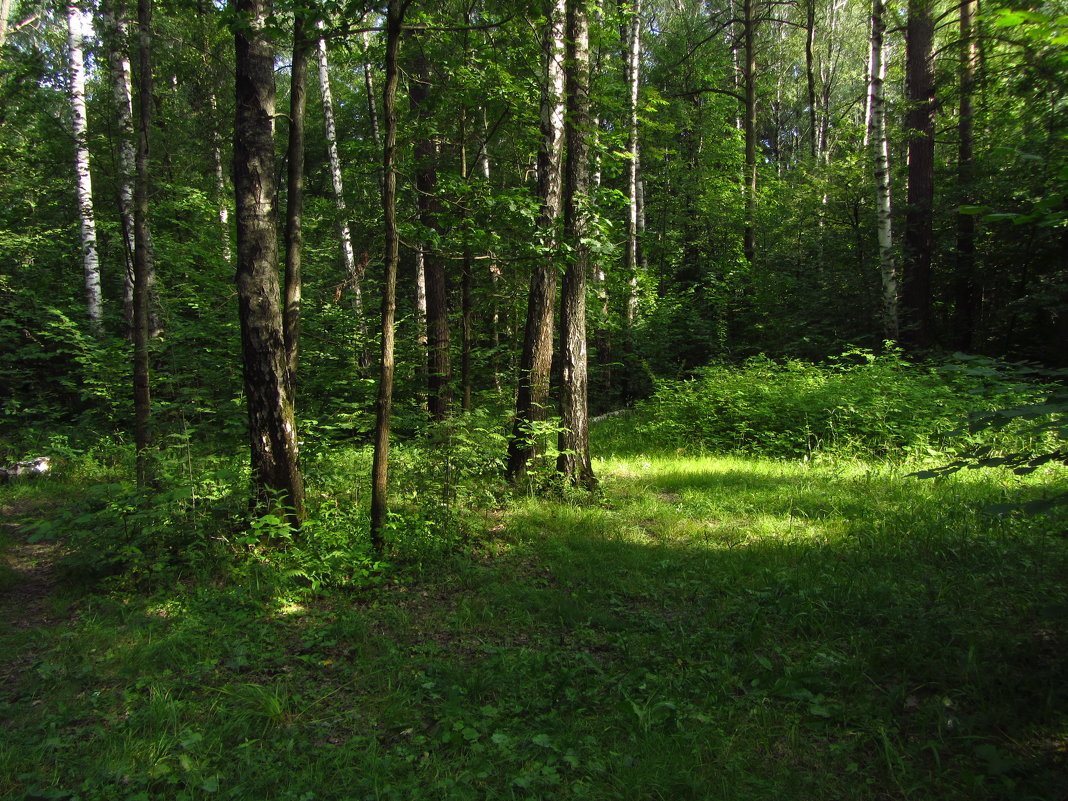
<point>858,404</point>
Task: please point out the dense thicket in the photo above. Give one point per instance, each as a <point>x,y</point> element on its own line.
<point>749,117</point>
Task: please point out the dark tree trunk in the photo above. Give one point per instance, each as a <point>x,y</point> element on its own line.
<point>439,363</point>
<point>272,430</point>
<point>536,357</point>
<point>142,255</point>
<point>964,281</point>
<point>384,405</point>
<point>295,199</point>
<point>916,331</point>
<point>749,26</point>
<point>574,462</point>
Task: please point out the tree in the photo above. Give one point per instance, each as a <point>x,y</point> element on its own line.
<point>295,197</point>
<point>80,131</point>
<point>919,214</point>
<point>143,260</point>
<point>879,143</point>
<point>384,403</point>
<point>272,429</point>
<point>964,280</point>
<point>574,462</point>
<point>536,356</point>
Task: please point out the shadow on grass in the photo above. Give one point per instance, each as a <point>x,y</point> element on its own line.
<point>709,630</point>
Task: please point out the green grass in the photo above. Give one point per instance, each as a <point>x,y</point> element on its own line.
<point>702,628</point>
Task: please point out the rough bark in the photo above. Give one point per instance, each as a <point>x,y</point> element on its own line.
<point>143,255</point>
<point>115,35</point>
<point>298,95</point>
<point>80,130</point>
<point>574,462</point>
<point>536,358</point>
<point>880,154</point>
<point>964,281</point>
<point>277,482</point>
<point>439,363</point>
<point>749,28</point>
<point>919,225</point>
<point>384,405</point>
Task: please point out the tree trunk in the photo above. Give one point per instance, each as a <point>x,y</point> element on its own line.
<point>810,74</point>
<point>80,130</point>
<point>574,462</point>
<point>384,405</point>
<point>919,226</point>
<point>880,154</point>
<point>536,357</point>
<point>439,364</point>
<point>276,475</point>
<point>749,26</point>
<point>220,181</point>
<point>143,256</point>
<point>964,282</point>
<point>115,36</point>
<point>295,199</point>
<point>348,255</point>
<point>632,76</point>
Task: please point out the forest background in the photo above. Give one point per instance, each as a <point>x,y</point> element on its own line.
<point>537,291</point>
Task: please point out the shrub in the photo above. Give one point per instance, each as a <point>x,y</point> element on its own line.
<point>859,404</point>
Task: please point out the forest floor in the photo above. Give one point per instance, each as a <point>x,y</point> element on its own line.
<point>713,628</point>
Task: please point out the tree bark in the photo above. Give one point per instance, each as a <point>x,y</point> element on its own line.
<point>632,76</point>
<point>810,74</point>
<point>276,477</point>
<point>574,462</point>
<point>919,225</point>
<point>749,26</point>
<point>964,281</point>
<point>880,154</point>
<point>143,255</point>
<point>536,358</point>
<point>348,255</point>
<point>439,363</point>
<point>80,130</point>
<point>384,405</point>
<point>295,199</point>
<point>115,36</point>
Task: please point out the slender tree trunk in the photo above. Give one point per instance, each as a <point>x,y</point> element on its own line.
<point>348,255</point>
<point>220,180</point>
<point>919,225</point>
<point>880,153</point>
<point>574,462</point>
<point>143,256</point>
<point>295,200</point>
<point>272,430</point>
<point>632,75</point>
<point>384,405</point>
<point>439,363</point>
<point>115,35</point>
<point>80,129</point>
<point>5,9</point>
<point>964,282</point>
<point>537,353</point>
<point>810,74</point>
<point>749,26</point>
<point>466,288</point>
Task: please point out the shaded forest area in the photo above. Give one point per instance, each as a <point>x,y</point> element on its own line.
<point>571,399</point>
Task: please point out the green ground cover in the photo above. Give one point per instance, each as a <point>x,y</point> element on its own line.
<point>702,628</point>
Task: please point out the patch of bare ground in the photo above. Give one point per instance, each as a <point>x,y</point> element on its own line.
<point>25,595</point>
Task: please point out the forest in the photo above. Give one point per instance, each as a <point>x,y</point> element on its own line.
<point>572,399</point>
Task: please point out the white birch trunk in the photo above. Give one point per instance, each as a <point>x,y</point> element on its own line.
<point>76,25</point>
<point>633,77</point>
<point>880,152</point>
<point>348,256</point>
<point>115,36</point>
<point>220,180</point>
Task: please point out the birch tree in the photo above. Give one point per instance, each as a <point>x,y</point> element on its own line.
<point>574,462</point>
<point>76,24</point>
<point>272,430</point>
<point>879,144</point>
<point>536,358</point>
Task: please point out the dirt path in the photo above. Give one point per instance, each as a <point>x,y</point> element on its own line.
<point>24,596</point>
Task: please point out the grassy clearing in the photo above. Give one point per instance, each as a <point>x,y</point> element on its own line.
<point>703,628</point>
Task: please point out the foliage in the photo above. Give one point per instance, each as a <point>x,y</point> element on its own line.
<point>858,404</point>
<point>854,635</point>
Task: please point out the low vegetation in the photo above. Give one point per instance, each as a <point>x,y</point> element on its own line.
<point>784,615</point>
